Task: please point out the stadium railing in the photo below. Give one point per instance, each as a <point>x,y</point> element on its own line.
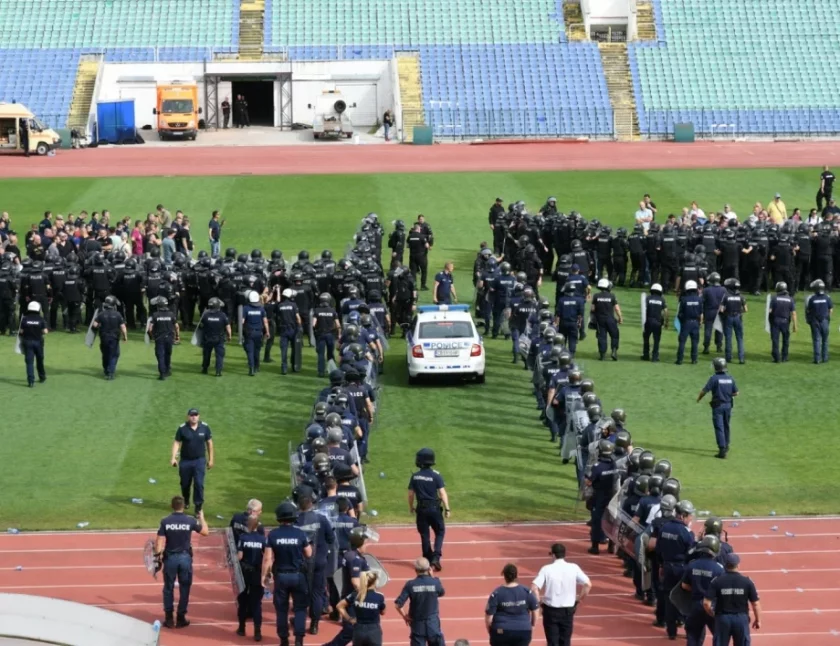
<point>531,123</point>
<point>731,123</point>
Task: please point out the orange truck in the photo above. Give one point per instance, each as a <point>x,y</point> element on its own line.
<point>177,111</point>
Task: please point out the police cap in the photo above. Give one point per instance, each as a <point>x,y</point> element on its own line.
<point>286,512</point>
<point>425,458</point>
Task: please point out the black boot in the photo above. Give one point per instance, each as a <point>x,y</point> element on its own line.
<point>241,630</point>
<point>313,625</point>
<point>182,621</point>
<point>298,640</point>
<point>169,622</point>
<point>257,634</point>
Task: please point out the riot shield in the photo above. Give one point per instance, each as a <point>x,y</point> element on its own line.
<point>359,481</point>
<point>524,346</point>
<point>619,527</point>
<point>375,565</point>
<point>331,365</point>
<point>505,327</point>
<point>718,324</point>
<point>90,336</point>
<point>18,349</point>
<point>383,339</point>
<point>198,335</point>
<point>681,599</point>
<point>330,512</point>
<point>239,325</point>
<point>767,314</point>
<point>297,360</point>
<point>643,561</point>
<point>644,309</point>
<point>574,405</point>
<point>295,465</point>
<point>153,564</point>
<point>677,324</point>
<point>312,328</point>
<point>237,581</point>
<point>146,338</point>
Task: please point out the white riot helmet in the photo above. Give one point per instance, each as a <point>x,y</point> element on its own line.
<point>34,306</point>
<point>604,283</point>
<point>253,297</point>
<point>656,287</point>
<point>690,285</point>
<point>288,293</point>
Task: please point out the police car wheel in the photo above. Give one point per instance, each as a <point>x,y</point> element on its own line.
<point>413,381</point>
<point>479,379</point>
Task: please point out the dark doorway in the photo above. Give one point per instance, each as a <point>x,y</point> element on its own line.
<point>260,98</point>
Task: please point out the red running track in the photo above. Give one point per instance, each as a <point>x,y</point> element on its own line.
<point>144,161</point>
<point>797,577</point>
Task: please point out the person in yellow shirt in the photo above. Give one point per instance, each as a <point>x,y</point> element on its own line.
<point>777,210</point>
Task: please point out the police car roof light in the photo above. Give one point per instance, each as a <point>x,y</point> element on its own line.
<point>443,308</point>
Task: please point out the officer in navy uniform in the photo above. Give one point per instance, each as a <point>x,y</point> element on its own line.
<point>818,310</point>
<point>195,442</point>
<point>569,311</point>
<point>239,521</point>
<point>723,389</point>
<point>672,547</point>
<point>444,291</point>
<point>697,580</point>
<point>658,596</point>
<point>215,327</point>
<point>690,315</point>
<point>33,327</point>
<point>426,495</point>
<point>318,528</point>
<point>605,309</point>
<point>732,309</point>
<point>656,317</point>
<point>352,564</point>
<point>255,329</point>
<point>173,546</point>
<point>327,328</point>
<point>289,325</point>
<point>782,312</point>
<point>163,326</point>
<point>602,479</point>
<point>285,562</point>
<point>423,617</point>
<point>111,326</point>
<point>727,600</point>
<point>343,525</point>
<point>250,550</point>
<point>714,527</point>
<point>712,298</point>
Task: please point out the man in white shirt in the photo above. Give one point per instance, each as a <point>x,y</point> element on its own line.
<point>728,213</point>
<point>556,588</point>
<point>644,216</point>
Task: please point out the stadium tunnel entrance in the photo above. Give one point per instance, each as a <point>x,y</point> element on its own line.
<point>259,94</point>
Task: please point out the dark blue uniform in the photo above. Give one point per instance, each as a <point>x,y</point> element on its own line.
<point>342,526</point>
<point>570,310</point>
<point>252,546</point>
<point>520,314</point>
<point>699,575</point>
<point>239,525</point>
<point>352,565</point>
<point>732,309</point>
<point>603,309</point>
<point>32,328</point>
<point>110,322</point>
<point>511,609</point>
<point>425,485</point>
<point>445,280</point>
<point>723,388</point>
<point>691,309</point>
<point>253,327</point>
<point>712,298</point>
<point>782,308</point>
<point>818,316</point>
<point>731,594</point>
<point>672,546</point>
<point>603,480</point>
<point>367,611</point>
<point>177,528</point>
<point>501,291</point>
<point>655,307</point>
<point>423,593</point>
<point>213,325</point>
<point>288,329</point>
<point>322,536</point>
<point>193,465</point>
<point>324,327</point>
<point>287,544</point>
<point>163,323</point>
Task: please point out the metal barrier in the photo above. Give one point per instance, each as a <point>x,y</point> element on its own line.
<point>742,122</point>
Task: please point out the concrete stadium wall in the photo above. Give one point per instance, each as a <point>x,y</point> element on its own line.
<point>368,84</point>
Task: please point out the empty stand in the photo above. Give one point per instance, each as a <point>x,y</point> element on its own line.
<point>41,79</point>
<point>739,67</point>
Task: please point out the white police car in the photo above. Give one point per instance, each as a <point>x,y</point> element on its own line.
<point>443,341</point>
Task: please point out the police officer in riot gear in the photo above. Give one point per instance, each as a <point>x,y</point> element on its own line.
<point>111,326</point>
<point>818,310</point>
<point>605,311</point>
<point>428,500</point>
<point>215,328</point>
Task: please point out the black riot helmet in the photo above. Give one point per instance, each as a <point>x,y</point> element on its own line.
<point>663,468</point>
<point>709,544</point>
<point>425,458</point>
<point>111,303</point>
<point>321,464</point>
<point>256,254</point>
<point>719,364</point>
<point>656,481</point>
<point>286,512</point>
<point>276,255</point>
<point>605,449</point>
<point>671,487</point>
<point>575,377</point>
<point>619,415</point>
<point>647,461</point>
<point>565,359</point>
<point>544,304</point>
<point>593,412</point>
<point>336,377</point>
<point>713,526</point>
<point>243,258</point>
<point>641,486</point>
<point>556,353</point>
<point>505,268</point>
<point>230,253</point>
<point>714,278</point>
<point>622,440</point>
<point>320,412</point>
<point>303,256</point>
<point>324,300</point>
<point>587,386</point>
<point>326,254</point>
<point>590,399</point>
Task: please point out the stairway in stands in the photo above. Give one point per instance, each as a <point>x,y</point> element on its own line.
<point>411,93</point>
<point>83,94</point>
<point>251,29</point>
<point>573,19</point>
<point>645,22</point>
<point>620,86</point>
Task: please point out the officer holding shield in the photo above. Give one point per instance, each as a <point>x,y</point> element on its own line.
<point>426,495</point>
<point>697,580</point>
<point>672,546</point>
<point>318,528</point>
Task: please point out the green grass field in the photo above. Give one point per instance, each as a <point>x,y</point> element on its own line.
<point>79,448</point>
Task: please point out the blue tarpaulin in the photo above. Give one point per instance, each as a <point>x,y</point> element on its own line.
<point>115,121</point>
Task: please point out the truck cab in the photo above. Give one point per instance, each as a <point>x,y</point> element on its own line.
<point>13,117</point>
<point>177,111</point>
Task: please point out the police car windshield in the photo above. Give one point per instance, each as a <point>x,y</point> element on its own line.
<point>446,330</point>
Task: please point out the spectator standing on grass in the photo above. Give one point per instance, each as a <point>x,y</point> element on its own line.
<point>558,584</point>
<point>644,216</point>
<point>164,217</point>
<point>168,246</point>
<point>511,611</point>
<point>214,233</point>
<point>776,210</point>
<point>649,204</point>
<point>137,239</point>
<point>387,123</point>
<point>826,187</point>
<point>183,239</point>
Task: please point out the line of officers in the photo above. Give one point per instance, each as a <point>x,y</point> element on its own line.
<point>757,252</point>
